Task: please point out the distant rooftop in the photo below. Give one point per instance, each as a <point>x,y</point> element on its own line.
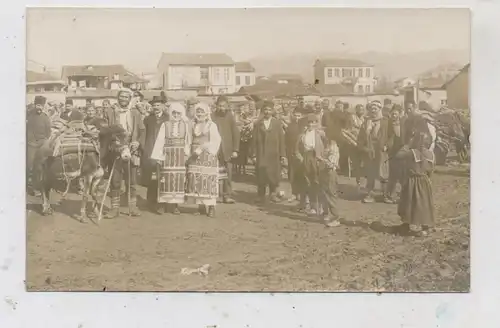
<point>244,67</point>
<point>341,62</point>
<point>204,59</point>
<point>101,70</point>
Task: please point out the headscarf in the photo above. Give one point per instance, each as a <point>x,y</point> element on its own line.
<point>179,108</point>
<point>206,112</point>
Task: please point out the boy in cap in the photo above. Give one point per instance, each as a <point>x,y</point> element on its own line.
<point>319,160</point>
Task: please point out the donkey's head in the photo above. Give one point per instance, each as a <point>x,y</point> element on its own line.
<point>115,139</point>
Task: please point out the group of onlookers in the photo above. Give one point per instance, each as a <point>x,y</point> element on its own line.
<point>187,150</point>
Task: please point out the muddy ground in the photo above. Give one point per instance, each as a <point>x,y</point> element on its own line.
<point>248,248</point>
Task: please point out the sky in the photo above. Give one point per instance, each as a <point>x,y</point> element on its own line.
<point>137,37</point>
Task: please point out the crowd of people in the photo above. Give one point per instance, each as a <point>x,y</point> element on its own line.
<point>185,151</point>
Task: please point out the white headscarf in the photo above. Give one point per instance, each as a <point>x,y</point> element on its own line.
<point>179,108</point>
<point>206,110</point>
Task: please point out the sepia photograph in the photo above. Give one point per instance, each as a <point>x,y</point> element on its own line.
<point>248,150</point>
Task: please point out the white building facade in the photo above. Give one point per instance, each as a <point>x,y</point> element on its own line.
<point>355,74</point>
<point>208,73</point>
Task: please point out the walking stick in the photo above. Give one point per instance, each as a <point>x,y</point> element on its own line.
<point>106,190</point>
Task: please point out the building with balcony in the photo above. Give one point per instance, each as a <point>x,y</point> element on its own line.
<point>44,84</point>
<point>208,73</point>
<point>355,75</point>
<point>100,77</point>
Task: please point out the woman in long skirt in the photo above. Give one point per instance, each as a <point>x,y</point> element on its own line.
<point>171,150</point>
<point>202,168</point>
<point>416,206</point>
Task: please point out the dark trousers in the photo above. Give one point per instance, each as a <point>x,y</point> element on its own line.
<point>395,176</point>
<point>295,175</point>
<point>263,182</point>
<point>357,163</point>
<point>344,158</point>
<point>30,160</point>
<point>122,173</point>
<point>149,169</point>
<point>227,188</point>
<point>35,154</point>
<point>328,192</point>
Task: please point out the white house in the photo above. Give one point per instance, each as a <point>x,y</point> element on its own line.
<point>358,76</point>
<point>44,84</point>
<point>404,82</point>
<point>458,89</point>
<point>245,74</point>
<point>209,73</point>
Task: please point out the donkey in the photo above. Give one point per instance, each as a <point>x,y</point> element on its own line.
<point>87,166</point>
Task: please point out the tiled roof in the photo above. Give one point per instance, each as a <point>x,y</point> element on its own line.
<point>269,89</point>
<point>35,77</point>
<point>341,62</point>
<point>194,59</point>
<point>101,70</point>
<point>244,67</point>
<point>464,69</point>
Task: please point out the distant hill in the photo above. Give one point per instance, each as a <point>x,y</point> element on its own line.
<point>391,66</point>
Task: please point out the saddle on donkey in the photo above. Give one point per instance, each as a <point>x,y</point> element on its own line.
<point>70,141</point>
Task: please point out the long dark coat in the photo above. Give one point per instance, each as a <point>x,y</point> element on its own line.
<point>230,135</point>
<point>268,146</point>
<point>152,125</point>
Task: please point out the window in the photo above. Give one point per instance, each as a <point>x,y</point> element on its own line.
<point>226,75</point>
<point>443,102</point>
<point>204,74</point>
<point>360,89</point>
<point>344,74</point>
<point>247,80</point>
<point>367,72</point>
<point>216,74</point>
<point>360,72</point>
<point>353,72</point>
<point>330,72</point>
<point>238,82</point>
<point>367,89</point>
<point>337,72</point>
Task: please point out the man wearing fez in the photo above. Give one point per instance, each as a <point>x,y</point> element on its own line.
<point>152,124</point>
<point>230,146</point>
<point>268,150</point>
<point>38,132</point>
<point>70,113</point>
<point>129,118</point>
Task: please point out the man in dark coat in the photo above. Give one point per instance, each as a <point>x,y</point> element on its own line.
<point>230,134</point>
<point>37,133</point>
<point>268,150</point>
<point>152,124</point>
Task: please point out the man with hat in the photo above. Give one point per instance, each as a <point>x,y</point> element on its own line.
<point>38,131</point>
<point>230,146</point>
<point>268,152</point>
<point>152,124</point>
<point>127,116</point>
<point>70,113</point>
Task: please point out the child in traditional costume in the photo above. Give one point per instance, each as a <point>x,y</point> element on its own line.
<point>171,150</point>
<point>416,206</point>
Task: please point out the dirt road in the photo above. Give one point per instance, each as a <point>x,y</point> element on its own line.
<point>255,249</point>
